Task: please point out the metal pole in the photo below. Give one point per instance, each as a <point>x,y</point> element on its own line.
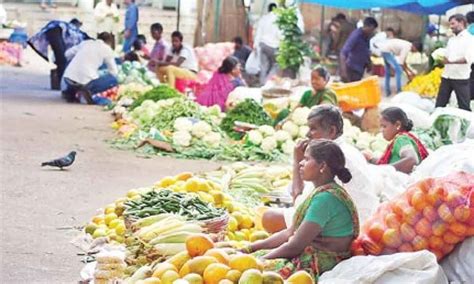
<point>179,15</point>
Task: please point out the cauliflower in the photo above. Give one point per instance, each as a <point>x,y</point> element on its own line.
<point>303,131</point>
<point>213,139</point>
<point>291,128</point>
<point>182,138</point>
<point>200,129</point>
<point>300,116</point>
<point>282,136</point>
<point>379,144</point>
<point>266,130</point>
<point>288,147</point>
<point>269,144</point>
<point>364,140</point>
<point>183,124</point>
<point>255,137</point>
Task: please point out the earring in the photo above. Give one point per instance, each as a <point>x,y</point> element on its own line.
<point>321,171</point>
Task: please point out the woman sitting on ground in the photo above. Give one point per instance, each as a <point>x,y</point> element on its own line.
<point>224,81</point>
<point>320,94</point>
<point>324,225</point>
<point>405,150</point>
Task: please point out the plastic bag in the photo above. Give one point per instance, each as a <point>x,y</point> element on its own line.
<point>418,267</point>
<point>465,115</point>
<point>413,99</point>
<point>447,159</point>
<point>433,214</point>
<point>252,66</point>
<point>458,265</point>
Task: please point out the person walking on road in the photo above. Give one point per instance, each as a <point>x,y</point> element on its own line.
<point>107,17</point>
<point>355,55</point>
<point>267,39</point>
<point>458,60</point>
<point>60,36</point>
<point>394,54</point>
<point>131,25</point>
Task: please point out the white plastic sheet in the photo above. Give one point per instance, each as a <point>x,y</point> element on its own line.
<point>415,267</point>
<point>415,100</point>
<point>252,66</point>
<point>459,265</point>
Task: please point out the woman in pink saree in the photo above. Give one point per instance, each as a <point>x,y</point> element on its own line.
<point>224,81</point>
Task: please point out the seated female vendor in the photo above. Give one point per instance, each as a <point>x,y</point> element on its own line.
<point>405,151</point>
<point>324,225</point>
<point>320,94</point>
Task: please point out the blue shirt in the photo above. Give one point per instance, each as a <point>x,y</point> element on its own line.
<point>470,29</point>
<point>356,51</point>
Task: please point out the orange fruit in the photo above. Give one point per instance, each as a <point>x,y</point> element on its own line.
<point>198,244</point>
<point>462,213</point>
<point>447,248</point>
<point>391,238</point>
<point>300,277</point>
<point>371,247</point>
<point>411,216</point>
<point>430,213</point>
<point>418,201</point>
<point>406,247</point>
<point>454,199</point>
<point>435,196</point>
<point>438,228</point>
<point>451,238</point>
<point>375,232</point>
<point>435,242</point>
<point>470,231</point>
<point>399,207</point>
<point>392,221</point>
<point>242,262</point>
<point>407,232</point>
<point>458,229</point>
<point>419,243</point>
<point>423,228</point>
<point>425,185</point>
<point>445,213</point>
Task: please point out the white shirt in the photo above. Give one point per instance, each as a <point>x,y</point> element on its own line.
<point>268,31</point>
<point>398,47</point>
<point>105,17</point>
<point>460,46</point>
<point>190,61</point>
<point>359,187</point>
<point>87,57</point>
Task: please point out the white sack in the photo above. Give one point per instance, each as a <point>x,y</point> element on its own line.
<point>459,265</point>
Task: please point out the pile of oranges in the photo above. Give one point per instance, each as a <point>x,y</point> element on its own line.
<point>433,214</point>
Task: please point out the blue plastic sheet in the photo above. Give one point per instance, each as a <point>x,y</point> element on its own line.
<point>414,6</point>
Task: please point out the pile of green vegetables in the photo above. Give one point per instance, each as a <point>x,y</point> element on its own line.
<point>248,111</point>
<point>161,92</point>
<point>166,201</point>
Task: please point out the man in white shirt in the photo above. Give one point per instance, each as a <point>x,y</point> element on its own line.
<point>325,122</point>
<point>180,62</point>
<point>457,69</point>
<point>394,52</point>
<point>267,40</point>
<point>82,74</point>
<point>106,15</point>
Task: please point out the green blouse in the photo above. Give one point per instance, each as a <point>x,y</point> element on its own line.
<point>403,143</point>
<point>331,214</point>
<point>326,95</point>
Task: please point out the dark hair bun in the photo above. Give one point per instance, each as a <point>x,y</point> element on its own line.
<point>344,175</point>
<point>409,125</point>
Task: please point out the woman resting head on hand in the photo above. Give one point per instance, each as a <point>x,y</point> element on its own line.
<point>405,150</point>
<point>324,225</point>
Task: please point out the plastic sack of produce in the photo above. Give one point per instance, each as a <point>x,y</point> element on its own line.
<point>418,267</point>
<point>412,98</point>
<point>458,265</point>
<point>445,160</point>
<point>459,128</point>
<point>433,214</point>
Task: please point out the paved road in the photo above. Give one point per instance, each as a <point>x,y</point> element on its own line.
<point>38,205</point>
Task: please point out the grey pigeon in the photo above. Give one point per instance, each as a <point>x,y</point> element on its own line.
<point>61,162</point>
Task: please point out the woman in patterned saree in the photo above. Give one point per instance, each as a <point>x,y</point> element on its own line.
<point>324,225</point>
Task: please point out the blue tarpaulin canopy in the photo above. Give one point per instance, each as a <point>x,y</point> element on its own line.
<point>424,7</point>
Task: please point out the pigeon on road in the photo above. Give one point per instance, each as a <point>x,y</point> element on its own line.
<point>61,162</point>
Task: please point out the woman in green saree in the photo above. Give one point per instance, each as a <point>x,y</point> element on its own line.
<point>320,94</point>
<point>325,224</point>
